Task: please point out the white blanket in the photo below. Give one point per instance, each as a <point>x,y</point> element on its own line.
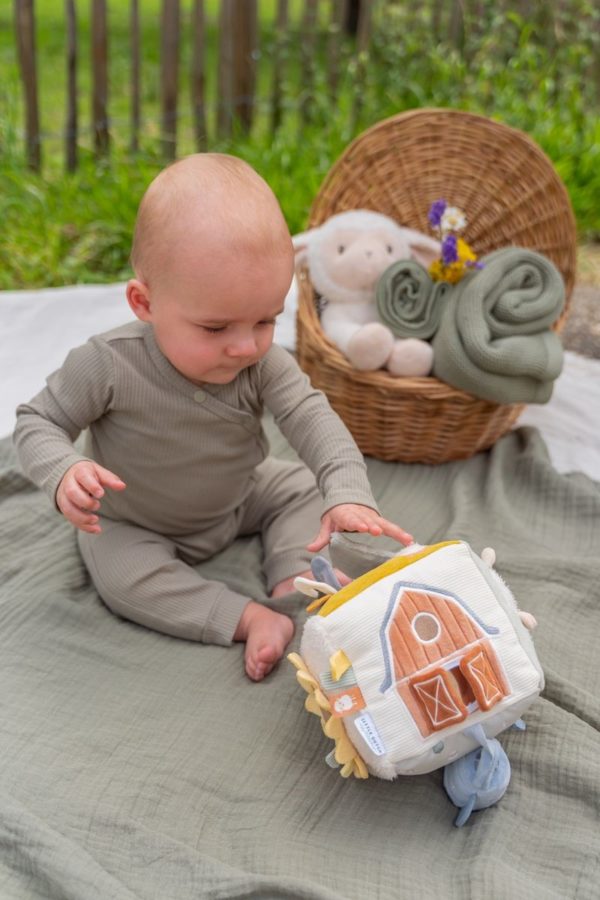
<point>38,328</point>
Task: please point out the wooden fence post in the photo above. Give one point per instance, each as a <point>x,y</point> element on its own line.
<point>281,43</point>
<point>456,28</point>
<point>71,123</point>
<point>169,76</point>
<point>225,70</point>
<point>362,47</point>
<point>134,42</point>
<point>352,16</point>
<point>238,43</point>
<point>245,56</point>
<point>197,74</point>
<point>436,19</point>
<point>595,67</point>
<point>99,38</point>
<point>309,46</point>
<point>339,13</point>
<point>25,33</point>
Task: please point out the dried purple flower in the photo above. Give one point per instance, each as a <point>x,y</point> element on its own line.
<point>449,249</point>
<point>436,211</point>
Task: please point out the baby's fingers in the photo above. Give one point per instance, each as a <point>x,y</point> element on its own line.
<point>109,479</point>
<point>90,482</point>
<point>395,532</point>
<point>86,521</point>
<point>80,497</point>
<point>353,522</point>
<point>322,539</point>
<point>375,529</point>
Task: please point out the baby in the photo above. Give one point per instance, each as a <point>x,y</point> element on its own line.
<point>173,404</point>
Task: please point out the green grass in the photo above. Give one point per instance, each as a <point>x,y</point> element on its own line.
<point>60,228</point>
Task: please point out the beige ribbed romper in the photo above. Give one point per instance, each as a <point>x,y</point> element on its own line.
<point>195,461</point>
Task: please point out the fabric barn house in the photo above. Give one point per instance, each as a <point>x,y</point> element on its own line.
<point>438,654</point>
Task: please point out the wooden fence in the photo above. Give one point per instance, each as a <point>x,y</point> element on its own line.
<point>228,46</point>
<point>238,52</point>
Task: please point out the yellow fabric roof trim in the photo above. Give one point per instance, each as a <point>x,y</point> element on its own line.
<point>317,603</point>
<point>387,568</point>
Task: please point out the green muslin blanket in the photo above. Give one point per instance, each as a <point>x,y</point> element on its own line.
<point>494,338</point>
<point>409,302</point>
<point>136,766</point>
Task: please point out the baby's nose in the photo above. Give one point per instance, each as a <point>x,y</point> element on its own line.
<point>243,347</point>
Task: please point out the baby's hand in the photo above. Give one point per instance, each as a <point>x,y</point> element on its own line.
<point>79,492</point>
<point>355,517</point>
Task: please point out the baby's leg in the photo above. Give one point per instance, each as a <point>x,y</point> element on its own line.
<point>140,577</point>
<point>286,507</point>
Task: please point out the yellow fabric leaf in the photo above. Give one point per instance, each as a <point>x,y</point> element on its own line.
<point>361,769</point>
<point>339,663</point>
<point>322,700</point>
<point>296,660</point>
<point>344,750</point>
<point>311,705</point>
<point>332,728</point>
<point>306,680</point>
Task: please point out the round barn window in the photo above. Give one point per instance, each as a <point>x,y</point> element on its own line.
<point>426,627</point>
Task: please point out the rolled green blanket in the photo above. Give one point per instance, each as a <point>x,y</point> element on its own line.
<point>494,338</point>
<point>409,302</point>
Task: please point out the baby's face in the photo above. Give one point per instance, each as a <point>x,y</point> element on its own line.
<point>213,319</point>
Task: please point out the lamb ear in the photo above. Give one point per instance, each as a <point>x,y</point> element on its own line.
<point>423,248</point>
<point>301,243</point>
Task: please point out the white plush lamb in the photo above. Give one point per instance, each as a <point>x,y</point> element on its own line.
<point>346,257</point>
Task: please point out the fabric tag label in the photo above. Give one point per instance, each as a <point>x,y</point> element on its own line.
<point>346,702</point>
<point>368,731</point>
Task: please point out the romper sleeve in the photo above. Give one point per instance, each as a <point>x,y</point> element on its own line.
<point>315,431</point>
<point>75,396</point>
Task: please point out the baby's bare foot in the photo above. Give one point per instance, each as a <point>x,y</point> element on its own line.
<point>267,634</point>
<point>287,586</point>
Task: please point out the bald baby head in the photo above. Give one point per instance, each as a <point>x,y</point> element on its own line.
<point>206,210</point>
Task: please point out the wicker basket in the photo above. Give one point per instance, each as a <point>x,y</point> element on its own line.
<point>512,195</point>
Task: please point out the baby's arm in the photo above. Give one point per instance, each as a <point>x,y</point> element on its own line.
<point>76,394</point>
<point>315,431</point>
<point>324,443</point>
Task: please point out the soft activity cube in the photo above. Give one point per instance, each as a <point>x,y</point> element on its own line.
<point>418,663</point>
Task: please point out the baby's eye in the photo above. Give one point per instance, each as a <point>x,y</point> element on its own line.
<point>341,248</point>
<point>389,248</point>
<point>213,330</point>
<point>267,322</point>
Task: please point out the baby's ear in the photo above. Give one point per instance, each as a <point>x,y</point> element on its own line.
<point>138,297</point>
<point>422,248</point>
<point>301,243</point>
